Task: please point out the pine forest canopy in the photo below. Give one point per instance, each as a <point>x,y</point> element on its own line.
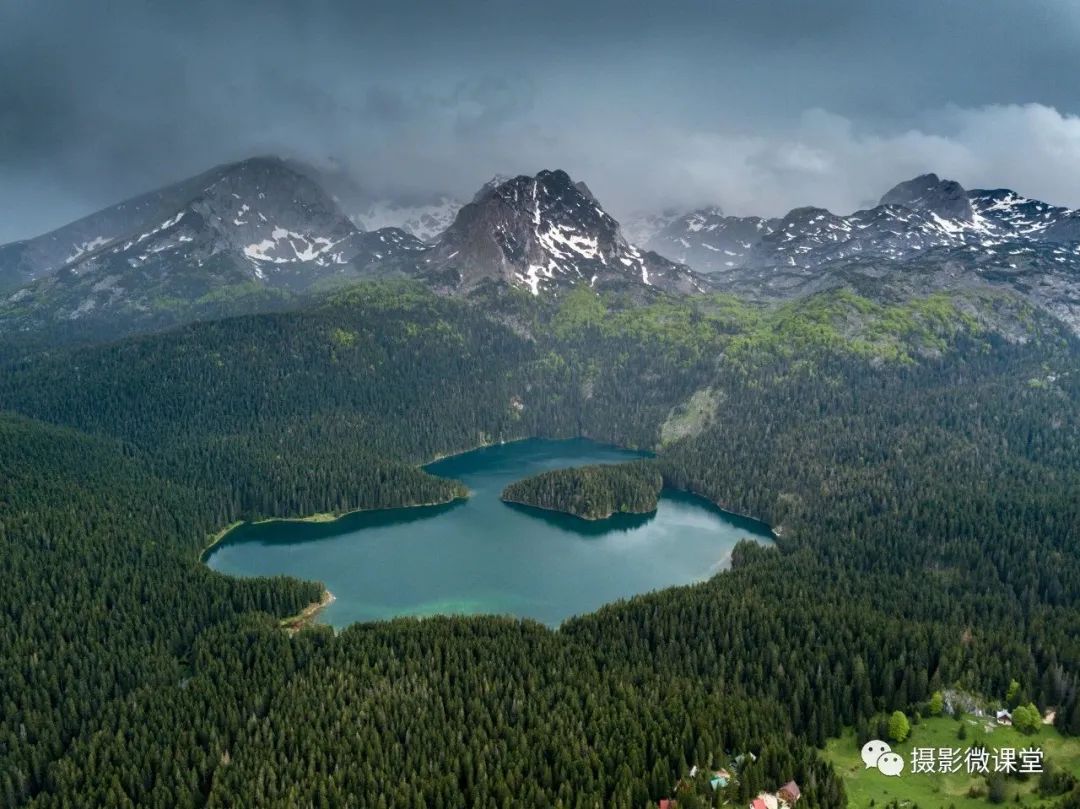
<point>919,462</point>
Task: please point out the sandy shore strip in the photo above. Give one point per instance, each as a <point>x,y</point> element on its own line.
<point>307,616</point>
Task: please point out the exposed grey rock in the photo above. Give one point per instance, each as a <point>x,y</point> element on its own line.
<point>927,234</point>
<point>930,194</point>
<point>544,233</point>
<point>243,237</point>
<point>709,241</point>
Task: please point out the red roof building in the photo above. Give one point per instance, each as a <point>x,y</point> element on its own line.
<point>758,803</point>
<point>789,792</point>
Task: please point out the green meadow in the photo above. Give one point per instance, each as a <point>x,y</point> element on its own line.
<point>868,787</point>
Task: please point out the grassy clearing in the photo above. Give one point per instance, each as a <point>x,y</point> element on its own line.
<point>868,787</point>
<point>691,417</point>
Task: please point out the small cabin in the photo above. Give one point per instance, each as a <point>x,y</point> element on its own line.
<point>789,793</point>
<point>720,779</point>
<point>1003,717</point>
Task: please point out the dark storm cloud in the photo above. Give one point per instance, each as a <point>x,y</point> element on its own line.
<point>487,102</point>
<point>755,105</point>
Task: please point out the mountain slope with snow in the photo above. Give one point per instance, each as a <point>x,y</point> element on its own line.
<point>543,233</point>
<point>255,235</point>
<point>709,241</point>
<point>925,213</point>
<point>24,261</point>
<point>250,234</point>
<point>926,232</point>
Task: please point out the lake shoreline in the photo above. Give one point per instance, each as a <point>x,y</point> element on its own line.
<point>324,517</point>
<point>321,517</point>
<point>307,616</point>
<point>501,460</point>
<point>647,453</point>
<point>765,527</point>
<point>554,510</point>
<point>775,533</point>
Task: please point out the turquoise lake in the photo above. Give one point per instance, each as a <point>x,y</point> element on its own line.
<point>485,556</point>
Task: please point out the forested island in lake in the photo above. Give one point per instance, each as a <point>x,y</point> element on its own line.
<point>591,492</point>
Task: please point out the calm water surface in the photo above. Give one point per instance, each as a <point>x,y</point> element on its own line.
<point>485,556</point>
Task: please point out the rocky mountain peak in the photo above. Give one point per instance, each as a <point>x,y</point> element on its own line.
<point>930,194</point>
<point>708,240</point>
<point>544,232</point>
<point>199,247</point>
<point>491,185</point>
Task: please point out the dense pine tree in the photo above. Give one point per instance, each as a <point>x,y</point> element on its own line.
<point>591,492</point>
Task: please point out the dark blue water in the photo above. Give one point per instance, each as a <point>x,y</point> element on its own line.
<point>485,556</point>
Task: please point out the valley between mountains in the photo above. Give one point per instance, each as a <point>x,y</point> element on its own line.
<point>894,390</point>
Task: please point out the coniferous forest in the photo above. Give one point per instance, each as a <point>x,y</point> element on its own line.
<point>591,492</point>
<point>920,465</point>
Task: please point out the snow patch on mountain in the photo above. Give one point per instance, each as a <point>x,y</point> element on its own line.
<point>295,246</point>
<point>87,247</point>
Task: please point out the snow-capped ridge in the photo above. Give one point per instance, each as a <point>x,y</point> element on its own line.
<point>915,216</point>
<point>545,232</point>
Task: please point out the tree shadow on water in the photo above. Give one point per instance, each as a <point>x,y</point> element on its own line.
<point>582,527</point>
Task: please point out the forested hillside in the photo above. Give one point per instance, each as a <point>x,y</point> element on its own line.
<point>920,460</point>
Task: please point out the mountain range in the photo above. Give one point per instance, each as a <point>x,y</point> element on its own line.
<point>915,216</point>
<point>926,231</point>
<point>264,232</point>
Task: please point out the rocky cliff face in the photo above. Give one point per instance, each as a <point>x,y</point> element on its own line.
<point>543,233</point>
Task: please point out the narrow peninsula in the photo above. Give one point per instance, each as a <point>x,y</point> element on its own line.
<point>591,492</point>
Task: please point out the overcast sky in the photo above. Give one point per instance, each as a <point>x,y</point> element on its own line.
<point>755,105</point>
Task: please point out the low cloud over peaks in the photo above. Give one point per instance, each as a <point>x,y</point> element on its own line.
<point>757,107</point>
